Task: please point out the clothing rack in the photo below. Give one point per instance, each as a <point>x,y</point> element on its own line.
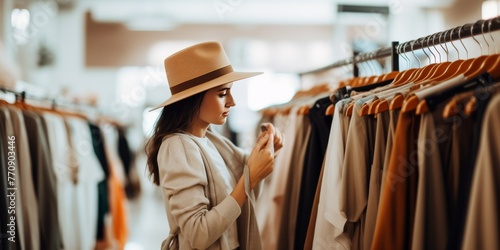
<point>363,57</point>
<point>22,96</point>
<point>465,31</point>
<point>460,32</point>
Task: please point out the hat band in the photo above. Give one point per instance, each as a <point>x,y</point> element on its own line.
<point>201,79</point>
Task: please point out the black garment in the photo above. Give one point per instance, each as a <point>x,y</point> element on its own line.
<point>483,95</point>
<point>102,186</point>
<point>316,148</point>
<point>457,204</point>
<point>132,185</point>
<point>45,182</point>
<point>124,151</point>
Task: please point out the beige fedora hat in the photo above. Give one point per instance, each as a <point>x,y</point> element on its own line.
<point>199,68</point>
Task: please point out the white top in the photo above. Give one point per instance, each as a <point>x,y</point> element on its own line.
<point>208,146</point>
<point>330,221</point>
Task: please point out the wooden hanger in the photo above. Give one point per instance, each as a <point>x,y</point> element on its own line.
<point>493,60</point>
<point>403,76</point>
<point>373,105</point>
<point>470,106</point>
<point>494,69</point>
<point>411,102</point>
<point>398,99</point>
<point>330,110</point>
<point>428,70</point>
<point>382,104</point>
<point>364,109</point>
<point>475,67</point>
<point>442,69</point>
<point>452,107</point>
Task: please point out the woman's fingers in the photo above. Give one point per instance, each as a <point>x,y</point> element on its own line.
<point>261,142</point>
<point>270,144</point>
<point>276,134</point>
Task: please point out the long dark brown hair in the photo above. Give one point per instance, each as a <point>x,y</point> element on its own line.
<point>174,118</point>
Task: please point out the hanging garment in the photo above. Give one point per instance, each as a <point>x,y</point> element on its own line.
<point>292,190</point>
<point>44,180</point>
<point>316,147</point>
<point>61,163</point>
<point>84,200</point>
<point>431,212</point>
<point>397,201</point>
<point>277,189</point>
<point>331,220</point>
<point>482,222</point>
<point>28,218</point>
<point>393,120</point>
<point>314,212</point>
<point>467,171</point>
<point>117,195</point>
<point>355,176</point>
<point>102,186</point>
<point>9,232</point>
<point>376,170</point>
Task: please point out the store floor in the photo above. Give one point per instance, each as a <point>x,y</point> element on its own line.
<point>148,225</point>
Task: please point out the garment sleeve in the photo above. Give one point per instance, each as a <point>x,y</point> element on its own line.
<point>183,180</point>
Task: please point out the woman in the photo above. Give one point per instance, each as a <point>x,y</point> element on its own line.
<point>208,184</point>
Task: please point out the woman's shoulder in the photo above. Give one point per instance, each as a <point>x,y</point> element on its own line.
<point>177,141</point>
<point>176,137</point>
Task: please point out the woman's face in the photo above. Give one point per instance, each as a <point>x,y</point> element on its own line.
<point>215,105</point>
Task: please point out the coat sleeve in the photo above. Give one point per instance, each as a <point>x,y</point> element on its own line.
<point>183,180</point>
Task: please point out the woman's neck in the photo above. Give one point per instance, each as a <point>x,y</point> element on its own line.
<point>198,130</point>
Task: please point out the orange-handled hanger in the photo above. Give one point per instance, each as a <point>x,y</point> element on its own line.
<point>444,69</point>
<point>390,75</point>
<point>452,108</point>
<point>421,71</point>
<point>330,110</point>
<point>477,64</point>
<point>399,100</point>
<point>476,67</point>
<point>403,76</point>
<point>428,70</point>
<point>412,102</point>
<point>373,106</point>
<point>494,69</point>
<point>383,105</point>
<point>490,63</point>
<point>458,66</point>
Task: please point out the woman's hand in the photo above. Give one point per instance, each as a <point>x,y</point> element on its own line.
<point>277,135</point>
<point>261,160</point>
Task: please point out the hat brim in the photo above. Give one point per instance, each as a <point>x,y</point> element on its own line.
<point>231,77</point>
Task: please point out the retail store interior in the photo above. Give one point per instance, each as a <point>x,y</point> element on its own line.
<point>104,59</point>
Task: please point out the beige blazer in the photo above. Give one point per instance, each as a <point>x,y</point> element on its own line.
<point>199,209</point>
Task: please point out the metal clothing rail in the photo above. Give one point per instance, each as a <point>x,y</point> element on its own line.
<point>362,57</point>
<point>465,31</point>
<point>22,96</point>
